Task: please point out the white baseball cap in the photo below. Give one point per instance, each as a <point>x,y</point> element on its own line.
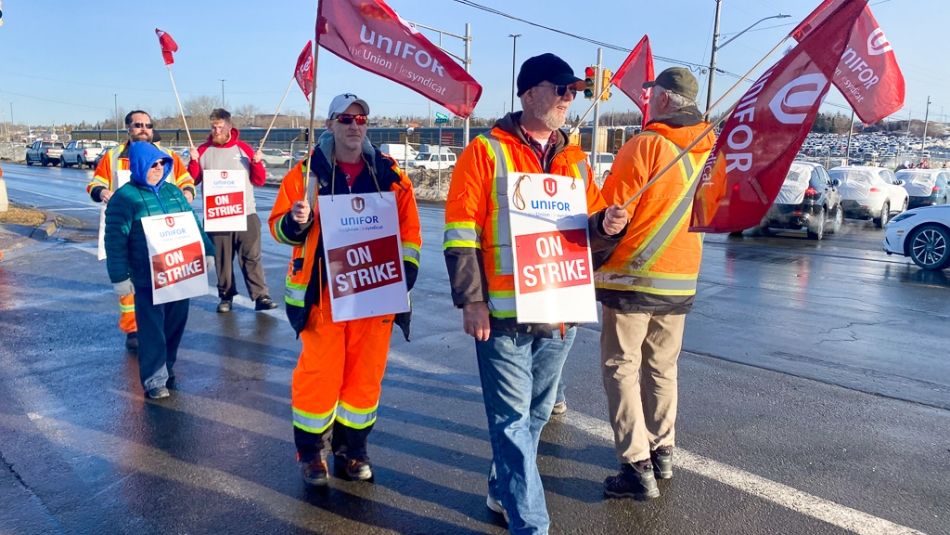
<point>340,103</point>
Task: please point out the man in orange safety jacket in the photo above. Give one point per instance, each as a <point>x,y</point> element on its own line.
<point>106,180</point>
<point>336,384</point>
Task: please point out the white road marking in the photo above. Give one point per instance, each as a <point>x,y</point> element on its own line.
<point>788,497</point>
<point>69,200</point>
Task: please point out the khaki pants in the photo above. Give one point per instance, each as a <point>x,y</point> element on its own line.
<point>638,355</point>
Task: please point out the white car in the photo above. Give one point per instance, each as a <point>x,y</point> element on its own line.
<point>926,187</point>
<point>870,192</point>
<point>605,161</point>
<point>276,158</point>
<point>923,234</point>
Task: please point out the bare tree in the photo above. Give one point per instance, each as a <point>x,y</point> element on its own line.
<point>245,114</point>
<point>200,107</point>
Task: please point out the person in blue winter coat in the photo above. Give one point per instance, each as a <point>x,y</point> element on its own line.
<point>127,259</point>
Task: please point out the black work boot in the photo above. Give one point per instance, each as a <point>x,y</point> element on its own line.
<point>132,342</point>
<point>662,459</point>
<point>316,473</point>
<point>635,480</point>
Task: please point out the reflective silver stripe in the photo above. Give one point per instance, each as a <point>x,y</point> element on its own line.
<point>411,253</point>
<point>353,419</point>
<point>460,234</point>
<point>673,218</point>
<point>295,296</point>
<point>646,282</point>
<point>583,166</point>
<point>504,260</point>
<point>311,424</point>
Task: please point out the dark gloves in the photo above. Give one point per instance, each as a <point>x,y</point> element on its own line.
<point>403,319</point>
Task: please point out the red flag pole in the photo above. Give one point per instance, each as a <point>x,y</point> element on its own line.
<point>180,109</point>
<point>274,119</point>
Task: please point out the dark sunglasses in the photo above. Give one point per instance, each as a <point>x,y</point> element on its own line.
<point>561,90</point>
<point>346,118</point>
<point>158,164</point>
<point>142,125</point>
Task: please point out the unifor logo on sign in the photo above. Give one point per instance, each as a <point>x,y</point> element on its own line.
<point>793,102</point>
<point>224,174</point>
<point>358,204</point>
<point>550,187</point>
<point>170,221</point>
<point>878,43</point>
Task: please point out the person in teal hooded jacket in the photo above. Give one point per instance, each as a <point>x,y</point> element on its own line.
<point>127,259</point>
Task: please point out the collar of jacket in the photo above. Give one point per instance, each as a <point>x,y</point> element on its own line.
<point>688,116</point>
<point>511,123</point>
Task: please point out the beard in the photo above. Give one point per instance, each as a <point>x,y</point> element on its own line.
<point>553,119</point>
<point>221,139</point>
<point>143,136</point>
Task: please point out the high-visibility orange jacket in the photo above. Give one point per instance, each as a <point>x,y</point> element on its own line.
<point>656,266</point>
<point>117,158</point>
<point>477,238</point>
<point>307,264</point>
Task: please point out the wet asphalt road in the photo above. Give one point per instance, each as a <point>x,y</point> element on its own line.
<point>815,389</point>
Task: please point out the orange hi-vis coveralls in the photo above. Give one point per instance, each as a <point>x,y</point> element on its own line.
<point>337,382</point>
<point>106,177</point>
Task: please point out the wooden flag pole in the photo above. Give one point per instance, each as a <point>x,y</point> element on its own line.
<point>274,119</point>
<point>180,109</point>
<point>313,106</point>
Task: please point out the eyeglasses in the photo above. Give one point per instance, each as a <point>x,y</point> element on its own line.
<point>561,90</point>
<point>346,118</point>
<point>159,164</point>
<point>142,125</point>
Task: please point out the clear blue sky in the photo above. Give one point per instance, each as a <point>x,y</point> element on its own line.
<point>62,61</point>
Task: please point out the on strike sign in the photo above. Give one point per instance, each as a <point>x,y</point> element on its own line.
<point>177,256</point>
<point>225,209</point>
<point>363,253</point>
<point>552,264</point>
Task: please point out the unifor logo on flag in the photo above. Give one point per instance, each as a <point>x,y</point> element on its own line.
<point>169,46</point>
<point>767,126</point>
<point>358,204</point>
<point>370,35</point>
<point>550,187</point>
<point>868,74</point>
<point>303,72</point>
<point>637,69</point>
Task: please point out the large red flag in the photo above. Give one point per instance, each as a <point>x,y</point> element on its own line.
<point>370,35</point>
<point>303,72</point>
<point>168,46</point>
<point>636,69</point>
<point>761,137</point>
<point>867,75</point>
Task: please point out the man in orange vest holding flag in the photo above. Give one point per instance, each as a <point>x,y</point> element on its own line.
<point>336,384</point>
<point>111,174</point>
<point>648,283</point>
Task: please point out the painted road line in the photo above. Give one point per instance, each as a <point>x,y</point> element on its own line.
<point>69,200</point>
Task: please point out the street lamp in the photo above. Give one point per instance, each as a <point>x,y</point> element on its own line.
<point>514,43</point>
<point>716,46</point>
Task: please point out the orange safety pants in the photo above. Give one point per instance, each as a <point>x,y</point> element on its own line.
<point>339,374</point>
<point>127,314</point>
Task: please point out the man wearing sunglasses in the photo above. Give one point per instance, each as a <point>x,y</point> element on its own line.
<point>113,172</point>
<point>225,151</point>
<point>519,363</point>
<point>336,385</point>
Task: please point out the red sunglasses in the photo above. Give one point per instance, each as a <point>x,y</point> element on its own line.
<point>346,118</point>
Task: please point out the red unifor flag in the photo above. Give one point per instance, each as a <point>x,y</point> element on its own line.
<point>168,46</point>
<point>636,69</point>
<point>867,75</point>
<point>370,35</point>
<point>761,137</point>
<point>303,72</point>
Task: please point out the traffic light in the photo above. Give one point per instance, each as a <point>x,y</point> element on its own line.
<point>589,75</point>
<point>605,84</point>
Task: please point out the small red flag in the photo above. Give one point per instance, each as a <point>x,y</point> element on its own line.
<point>762,135</point>
<point>168,46</point>
<point>868,74</point>
<point>303,72</point>
<point>370,35</point>
<point>636,69</point>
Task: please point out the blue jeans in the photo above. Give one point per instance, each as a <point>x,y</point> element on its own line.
<point>519,374</point>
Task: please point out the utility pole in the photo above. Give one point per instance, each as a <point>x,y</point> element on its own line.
<point>712,57</point>
<point>847,152</point>
<point>222,90</point>
<point>923,136</point>
<point>514,45</point>
<point>115,102</point>
<point>598,89</point>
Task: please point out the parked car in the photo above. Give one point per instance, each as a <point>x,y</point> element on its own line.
<point>602,166</point>
<point>923,234</point>
<point>275,158</point>
<point>81,152</point>
<point>399,151</point>
<point>870,192</point>
<point>808,200</point>
<point>434,160</point>
<point>925,187</point>
<point>44,152</point>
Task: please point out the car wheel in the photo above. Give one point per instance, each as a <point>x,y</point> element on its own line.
<point>43,161</point>
<point>816,231</point>
<point>837,222</point>
<point>929,247</point>
<point>29,162</point>
<point>62,163</point>
<point>879,222</point>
